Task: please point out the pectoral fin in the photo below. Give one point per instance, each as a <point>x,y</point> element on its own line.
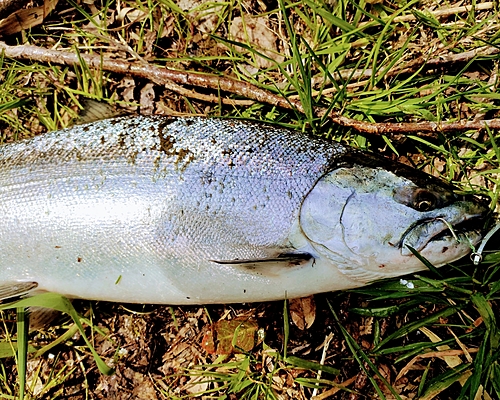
<point>14,289</point>
<point>269,266</point>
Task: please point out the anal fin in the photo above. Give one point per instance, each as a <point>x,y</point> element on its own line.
<point>41,317</point>
<point>15,289</point>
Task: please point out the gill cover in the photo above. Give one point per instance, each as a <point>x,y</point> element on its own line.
<point>362,219</point>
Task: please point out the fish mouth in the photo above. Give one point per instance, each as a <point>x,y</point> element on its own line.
<point>449,232</point>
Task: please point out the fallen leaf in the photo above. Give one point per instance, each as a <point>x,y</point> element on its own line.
<point>233,336</point>
<point>256,32</point>
<point>303,312</point>
<point>26,18</point>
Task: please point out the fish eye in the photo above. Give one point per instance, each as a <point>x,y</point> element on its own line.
<point>425,201</point>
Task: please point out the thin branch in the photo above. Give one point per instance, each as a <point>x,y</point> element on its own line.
<point>164,76</point>
<point>159,75</point>
<point>209,98</point>
<point>403,128</point>
<point>446,12</point>
<point>408,68</point>
<point>440,13</point>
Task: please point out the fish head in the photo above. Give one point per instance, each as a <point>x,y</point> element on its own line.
<point>365,219</point>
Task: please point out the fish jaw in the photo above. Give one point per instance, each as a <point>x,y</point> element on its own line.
<point>448,228</point>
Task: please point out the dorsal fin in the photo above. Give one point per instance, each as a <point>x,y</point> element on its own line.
<point>94,110</point>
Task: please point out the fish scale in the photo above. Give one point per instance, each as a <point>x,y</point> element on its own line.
<point>190,210</point>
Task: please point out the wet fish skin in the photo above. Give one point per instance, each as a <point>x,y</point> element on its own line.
<point>196,210</point>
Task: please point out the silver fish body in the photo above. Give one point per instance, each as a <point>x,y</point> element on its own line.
<point>196,210</point>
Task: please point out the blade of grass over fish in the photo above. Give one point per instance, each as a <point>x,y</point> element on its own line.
<point>22,348</point>
<point>424,261</point>
<point>60,303</point>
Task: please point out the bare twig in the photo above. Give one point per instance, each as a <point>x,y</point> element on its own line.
<point>446,12</point>
<point>441,13</point>
<point>26,18</point>
<point>408,68</point>
<point>164,76</point>
<point>326,344</point>
<point>209,98</point>
<point>388,128</point>
<point>159,75</point>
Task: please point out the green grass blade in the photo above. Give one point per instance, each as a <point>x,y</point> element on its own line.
<point>22,348</point>
<point>62,304</point>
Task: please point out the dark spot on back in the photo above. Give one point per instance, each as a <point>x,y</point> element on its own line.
<point>167,143</point>
<point>121,139</point>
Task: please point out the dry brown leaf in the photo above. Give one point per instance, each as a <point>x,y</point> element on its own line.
<point>233,336</point>
<point>367,327</point>
<point>148,99</point>
<point>132,14</point>
<point>26,18</point>
<point>256,32</point>
<point>303,312</point>
<point>7,7</point>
